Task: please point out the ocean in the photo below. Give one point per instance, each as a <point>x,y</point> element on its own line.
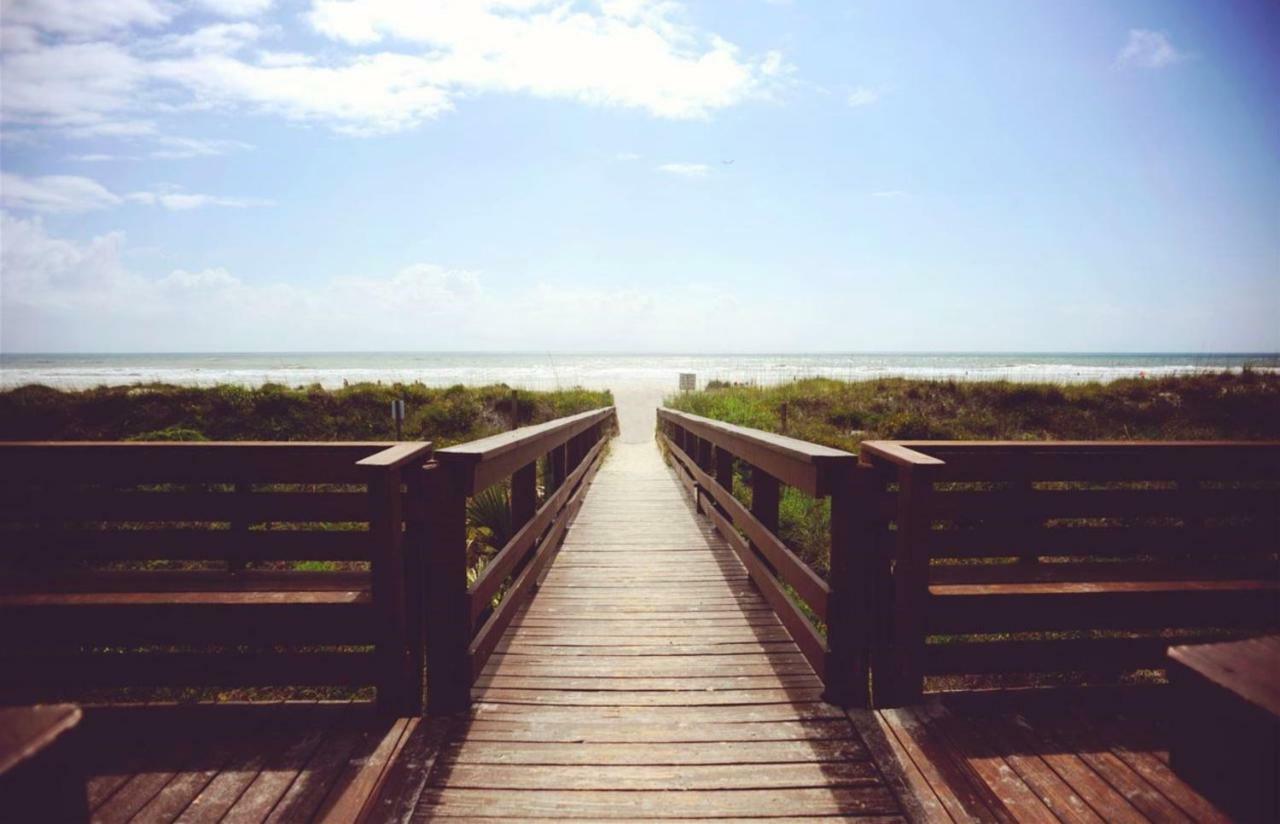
<point>611,371</point>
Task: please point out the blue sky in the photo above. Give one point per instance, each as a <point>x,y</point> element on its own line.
<point>631,175</point>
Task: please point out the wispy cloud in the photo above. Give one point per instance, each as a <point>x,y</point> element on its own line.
<point>1146,49</point>
<point>179,201</point>
<point>626,156</point>
<point>889,193</point>
<point>54,194</point>
<point>693,170</point>
<point>863,96</point>
<point>177,148</point>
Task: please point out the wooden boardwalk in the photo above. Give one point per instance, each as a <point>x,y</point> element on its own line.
<point>648,679</point>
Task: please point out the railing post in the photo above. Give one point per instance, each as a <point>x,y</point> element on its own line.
<point>765,497</point>
<point>849,606</point>
<point>415,545</point>
<point>524,495</point>
<point>724,468</point>
<point>910,585</point>
<point>394,679</point>
<point>235,563</point>
<point>447,608</point>
<point>556,466</point>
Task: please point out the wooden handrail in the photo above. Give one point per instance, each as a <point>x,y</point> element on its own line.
<point>840,659</point>
<point>398,456</point>
<point>573,447</point>
<point>489,460</point>
<point>898,454</point>
<point>138,502</point>
<point>1011,503</point>
<point>806,466</point>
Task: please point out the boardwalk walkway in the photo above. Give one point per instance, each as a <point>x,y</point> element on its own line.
<point>647,679</point>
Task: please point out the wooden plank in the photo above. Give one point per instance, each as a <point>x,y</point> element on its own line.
<point>919,800</point>
<point>726,753</point>
<point>1003,789</point>
<point>669,777</point>
<point>178,669</point>
<point>617,804</point>
<point>965,608</point>
<point>190,544</point>
<point>250,507</point>
<point>356,786</point>
<point>645,681</point>
<point>954,790</point>
<point>1000,540</point>
<point>177,462</point>
<point>1244,668</point>
<point>1005,738</point>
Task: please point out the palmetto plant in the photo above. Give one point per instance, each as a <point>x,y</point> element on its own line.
<point>488,524</point>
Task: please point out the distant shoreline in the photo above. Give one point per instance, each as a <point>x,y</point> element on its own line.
<point>622,372</point>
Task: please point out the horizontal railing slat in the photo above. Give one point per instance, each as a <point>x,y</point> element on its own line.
<point>179,462</point>
<point>803,465</point>
<point>250,507</point>
<point>178,669</point>
<point>802,632</point>
<point>811,588</point>
<point>500,566</point>
<point>490,633</point>
<point>186,544</point>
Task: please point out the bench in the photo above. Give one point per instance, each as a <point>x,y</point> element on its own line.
<point>41,777</point>
<point>1228,735</point>
<point>211,565</point>
<point>1026,565</point>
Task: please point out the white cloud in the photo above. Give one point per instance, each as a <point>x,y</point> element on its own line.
<point>1148,50</point>
<point>693,170</point>
<point>60,294</point>
<point>93,158</point>
<point>863,96</point>
<point>69,193</point>
<point>216,38</point>
<point>235,8</point>
<point>87,18</point>
<point>179,201</point>
<point>634,54</point>
<point>186,147</point>
<point>889,193</point>
<point>86,86</point>
<point>54,193</point>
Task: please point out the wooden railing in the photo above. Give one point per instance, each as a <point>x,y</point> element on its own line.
<point>974,566</point>
<point>1056,563</point>
<point>177,564</point>
<point>705,451</point>
<point>463,627</point>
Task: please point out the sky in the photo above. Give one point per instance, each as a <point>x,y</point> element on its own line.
<point>627,175</point>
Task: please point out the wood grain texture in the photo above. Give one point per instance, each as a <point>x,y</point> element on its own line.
<point>646,678</point>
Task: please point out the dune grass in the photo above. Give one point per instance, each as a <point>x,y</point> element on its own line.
<point>841,414</point>
<point>273,412</point>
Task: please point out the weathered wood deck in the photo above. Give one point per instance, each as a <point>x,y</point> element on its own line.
<point>648,679</point>
<point>645,678</point>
